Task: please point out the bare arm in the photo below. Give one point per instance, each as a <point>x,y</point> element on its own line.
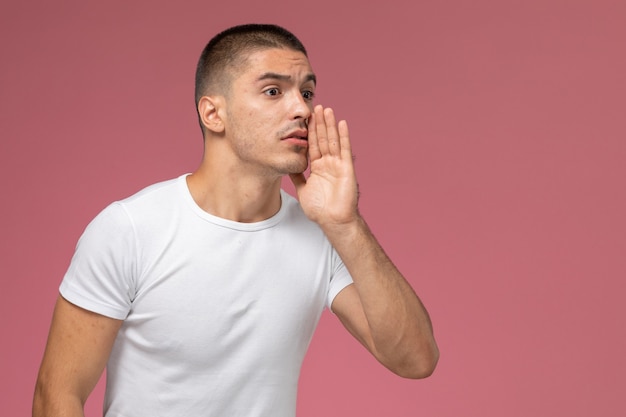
<point>78,348</point>
<point>381,309</point>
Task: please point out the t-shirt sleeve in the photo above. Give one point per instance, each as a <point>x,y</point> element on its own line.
<point>340,279</point>
<point>101,275</point>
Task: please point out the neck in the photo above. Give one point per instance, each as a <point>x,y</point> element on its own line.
<point>233,195</point>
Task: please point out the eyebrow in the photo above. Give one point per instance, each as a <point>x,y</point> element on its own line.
<point>283,77</point>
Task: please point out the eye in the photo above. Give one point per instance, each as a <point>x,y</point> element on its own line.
<point>272,91</point>
<point>308,94</point>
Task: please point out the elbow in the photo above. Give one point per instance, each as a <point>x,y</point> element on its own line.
<point>44,399</point>
<point>39,400</point>
<point>418,364</point>
<point>421,369</point>
<point>424,369</point>
<point>48,400</point>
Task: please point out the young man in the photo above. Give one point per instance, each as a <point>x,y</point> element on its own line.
<point>201,294</point>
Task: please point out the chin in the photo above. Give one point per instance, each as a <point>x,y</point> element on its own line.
<point>298,170</point>
<point>296,167</point>
<point>297,164</point>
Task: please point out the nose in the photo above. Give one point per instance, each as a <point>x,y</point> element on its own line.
<point>301,108</point>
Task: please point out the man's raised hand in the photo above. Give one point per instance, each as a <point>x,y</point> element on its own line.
<point>329,195</point>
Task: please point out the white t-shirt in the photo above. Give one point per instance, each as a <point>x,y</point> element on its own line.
<point>217,314</point>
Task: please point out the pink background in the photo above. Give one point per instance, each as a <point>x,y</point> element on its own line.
<point>490,139</point>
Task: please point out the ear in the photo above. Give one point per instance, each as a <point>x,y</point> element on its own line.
<point>209,111</point>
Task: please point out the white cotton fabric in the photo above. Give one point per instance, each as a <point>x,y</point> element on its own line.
<point>217,314</point>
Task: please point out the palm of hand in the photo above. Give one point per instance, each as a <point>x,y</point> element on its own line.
<point>329,195</point>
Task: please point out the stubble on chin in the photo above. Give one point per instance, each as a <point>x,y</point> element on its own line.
<point>296,167</point>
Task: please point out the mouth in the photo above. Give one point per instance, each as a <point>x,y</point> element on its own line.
<point>300,134</point>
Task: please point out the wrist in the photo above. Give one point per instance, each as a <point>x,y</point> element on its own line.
<point>345,231</point>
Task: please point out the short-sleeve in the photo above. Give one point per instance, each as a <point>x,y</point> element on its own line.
<point>341,278</point>
<point>101,275</point>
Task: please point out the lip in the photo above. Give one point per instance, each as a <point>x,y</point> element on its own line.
<point>299,134</point>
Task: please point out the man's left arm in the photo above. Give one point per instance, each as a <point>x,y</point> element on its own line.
<point>380,309</point>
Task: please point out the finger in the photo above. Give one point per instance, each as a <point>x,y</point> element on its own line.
<point>314,150</point>
<point>332,132</point>
<point>344,140</point>
<point>320,129</point>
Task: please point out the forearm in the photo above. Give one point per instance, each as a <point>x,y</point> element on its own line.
<point>381,309</point>
<point>400,331</point>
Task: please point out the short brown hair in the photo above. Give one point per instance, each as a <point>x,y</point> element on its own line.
<point>227,49</point>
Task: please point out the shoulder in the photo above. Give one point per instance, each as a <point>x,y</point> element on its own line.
<point>122,214</point>
<point>153,200</point>
<point>164,190</point>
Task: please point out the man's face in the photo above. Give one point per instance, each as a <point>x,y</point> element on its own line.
<point>267,109</point>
